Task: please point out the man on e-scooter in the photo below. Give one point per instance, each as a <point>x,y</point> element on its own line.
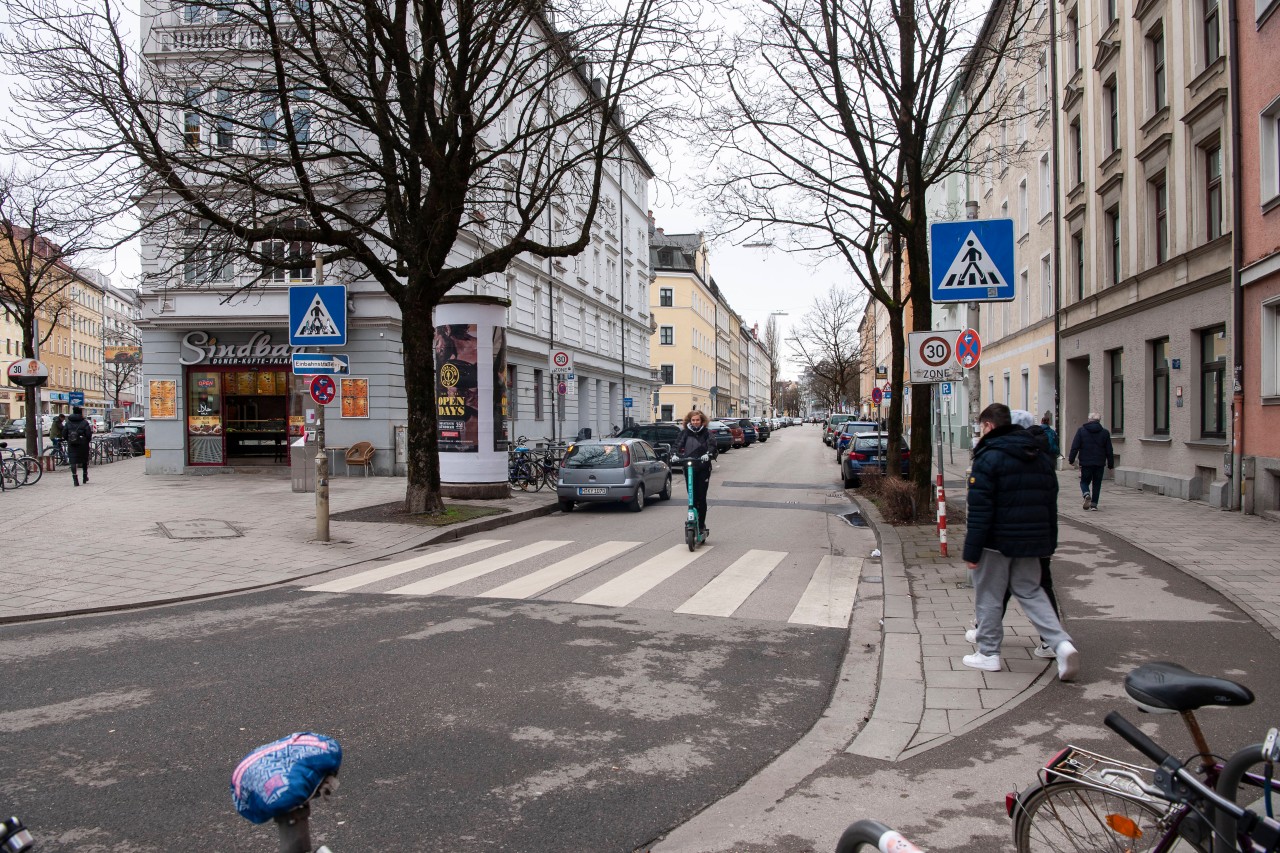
<point>694,449</point>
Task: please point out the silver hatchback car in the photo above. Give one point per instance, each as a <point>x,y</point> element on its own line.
<point>625,470</point>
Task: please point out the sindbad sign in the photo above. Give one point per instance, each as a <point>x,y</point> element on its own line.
<point>203,348</point>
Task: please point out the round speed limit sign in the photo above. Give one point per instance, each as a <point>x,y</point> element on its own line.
<point>935,351</point>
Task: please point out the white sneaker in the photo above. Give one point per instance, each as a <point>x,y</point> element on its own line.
<point>1068,661</point>
<point>977,660</point>
<point>971,636</point>
<point>1043,651</point>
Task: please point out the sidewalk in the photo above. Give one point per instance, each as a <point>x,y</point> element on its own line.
<point>1238,555</point>
<point>108,544</point>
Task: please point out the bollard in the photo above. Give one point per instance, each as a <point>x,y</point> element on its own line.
<point>322,496</point>
<point>942,517</point>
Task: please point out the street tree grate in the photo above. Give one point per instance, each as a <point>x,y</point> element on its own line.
<point>199,528</point>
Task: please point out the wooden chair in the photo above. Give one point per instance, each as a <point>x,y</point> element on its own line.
<point>361,454</point>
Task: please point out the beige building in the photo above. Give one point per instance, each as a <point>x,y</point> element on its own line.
<point>683,348</point>
<point>1145,318</point>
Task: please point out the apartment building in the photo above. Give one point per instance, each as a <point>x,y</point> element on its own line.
<point>1258,182</point>
<point>1145,319</point>
<point>684,309</point>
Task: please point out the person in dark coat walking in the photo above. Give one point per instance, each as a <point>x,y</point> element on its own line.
<point>1092,445</point>
<point>696,442</point>
<point>78,433</point>
<point>1013,522</point>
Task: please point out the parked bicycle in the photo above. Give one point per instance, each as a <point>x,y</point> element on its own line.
<point>529,469</point>
<point>1088,801</point>
<point>17,468</point>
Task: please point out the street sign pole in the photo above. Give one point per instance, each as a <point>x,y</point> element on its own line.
<point>942,494</point>
<point>322,458</point>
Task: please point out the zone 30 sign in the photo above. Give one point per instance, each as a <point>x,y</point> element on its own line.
<point>933,356</point>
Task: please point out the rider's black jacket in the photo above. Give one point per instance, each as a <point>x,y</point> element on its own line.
<point>694,444</point>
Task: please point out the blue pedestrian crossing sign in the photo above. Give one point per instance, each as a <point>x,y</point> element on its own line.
<point>971,260</point>
<point>318,315</point>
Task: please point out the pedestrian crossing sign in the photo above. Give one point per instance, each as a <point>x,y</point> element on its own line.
<point>971,260</point>
<point>318,315</point>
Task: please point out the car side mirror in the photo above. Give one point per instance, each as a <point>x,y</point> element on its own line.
<point>663,451</point>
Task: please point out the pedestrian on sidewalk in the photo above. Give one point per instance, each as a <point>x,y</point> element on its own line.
<point>1051,435</point>
<point>1092,445</point>
<point>55,433</point>
<point>78,434</point>
<point>1013,522</point>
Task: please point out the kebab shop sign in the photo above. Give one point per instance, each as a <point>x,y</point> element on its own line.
<point>203,348</point>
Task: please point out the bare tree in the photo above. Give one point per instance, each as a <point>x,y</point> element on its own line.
<point>45,225</point>
<point>120,373</point>
<point>826,344</point>
<point>413,144</point>
<point>842,114</point>
<point>772,343</point>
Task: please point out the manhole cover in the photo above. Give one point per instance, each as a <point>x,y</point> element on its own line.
<point>200,528</point>
<point>854,518</point>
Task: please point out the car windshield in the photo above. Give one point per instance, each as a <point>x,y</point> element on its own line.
<point>870,443</point>
<point>594,456</point>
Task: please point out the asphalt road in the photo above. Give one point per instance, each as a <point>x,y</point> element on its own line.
<point>530,720</point>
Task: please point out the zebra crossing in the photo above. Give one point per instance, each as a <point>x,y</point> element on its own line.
<point>625,574</point>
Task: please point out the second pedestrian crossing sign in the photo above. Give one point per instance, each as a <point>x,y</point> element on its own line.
<point>971,260</point>
<point>318,315</point>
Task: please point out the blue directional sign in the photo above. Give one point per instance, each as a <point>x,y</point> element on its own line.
<point>627,402</point>
<point>318,315</point>
<point>76,398</point>
<point>971,260</point>
<point>320,364</point>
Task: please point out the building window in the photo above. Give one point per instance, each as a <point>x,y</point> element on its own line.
<point>537,395</point>
<point>222,133</point>
<point>666,297</point>
<point>1024,297</point>
<point>1077,151</point>
<point>1024,212</point>
<point>1111,11</point>
<point>1077,261</point>
<point>1046,186</point>
<point>1046,286</point>
<point>1115,366</point>
<point>668,413</point>
<point>1269,152</point>
<point>1213,373</point>
<point>667,335</point>
<point>1160,202</point>
<point>1156,42</point>
<point>1213,191</point>
<point>1113,243</point>
<point>1006,389</point>
<point>1160,386</point>
<point>1212,36</point>
<point>191,119</point>
<point>1026,390</point>
<point>1073,30</point>
<point>668,374</point>
<point>1113,115</point>
<point>288,260</point>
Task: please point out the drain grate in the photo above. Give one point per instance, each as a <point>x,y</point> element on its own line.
<point>200,528</point>
<point>854,519</point>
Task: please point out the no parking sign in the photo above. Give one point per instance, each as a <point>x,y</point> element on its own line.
<point>323,390</point>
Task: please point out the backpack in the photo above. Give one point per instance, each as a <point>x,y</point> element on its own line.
<point>76,432</point>
<point>1052,435</point>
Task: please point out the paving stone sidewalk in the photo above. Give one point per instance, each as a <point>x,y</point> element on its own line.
<point>1238,555</point>
<point>102,546</point>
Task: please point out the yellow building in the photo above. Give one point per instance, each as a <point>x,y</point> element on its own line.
<point>684,311</point>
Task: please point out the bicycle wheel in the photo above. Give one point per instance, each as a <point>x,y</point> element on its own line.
<point>520,475</point>
<point>33,470</point>
<point>10,474</point>
<point>1068,815</point>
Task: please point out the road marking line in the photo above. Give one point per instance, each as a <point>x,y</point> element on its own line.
<point>828,600</point>
<point>726,592</point>
<point>557,573</point>
<point>475,570</point>
<point>404,566</point>
<point>632,584</point>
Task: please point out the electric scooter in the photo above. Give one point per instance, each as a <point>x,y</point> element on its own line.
<point>693,533</point>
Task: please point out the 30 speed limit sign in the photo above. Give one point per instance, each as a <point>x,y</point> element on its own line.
<point>932,356</point>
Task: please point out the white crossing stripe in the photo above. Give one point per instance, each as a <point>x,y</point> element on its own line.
<point>475,570</point>
<point>632,584</point>
<point>559,572</point>
<point>726,592</point>
<point>383,572</point>
<point>828,600</point>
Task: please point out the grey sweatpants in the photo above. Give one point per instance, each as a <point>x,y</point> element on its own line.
<point>995,574</point>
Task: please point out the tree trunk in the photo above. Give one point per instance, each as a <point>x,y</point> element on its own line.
<point>896,365</point>
<point>422,493</point>
<point>917,245</point>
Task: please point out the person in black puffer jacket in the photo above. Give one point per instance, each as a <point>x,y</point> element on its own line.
<point>1013,522</point>
<point>1092,445</point>
<point>696,442</point>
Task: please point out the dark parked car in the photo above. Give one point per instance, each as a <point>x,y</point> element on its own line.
<point>762,428</point>
<point>749,434</point>
<point>847,431</point>
<point>604,470</point>
<point>655,434</point>
<point>15,428</point>
<point>724,437</point>
<point>864,453</point>
<point>136,433</point>
<point>833,424</point>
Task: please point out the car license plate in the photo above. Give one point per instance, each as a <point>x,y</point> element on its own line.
<point>593,490</point>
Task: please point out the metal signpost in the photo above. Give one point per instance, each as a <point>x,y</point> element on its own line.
<point>318,318</point>
<point>323,390</point>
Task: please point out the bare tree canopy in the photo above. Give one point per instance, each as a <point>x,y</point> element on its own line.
<point>417,144</point>
<point>826,345</point>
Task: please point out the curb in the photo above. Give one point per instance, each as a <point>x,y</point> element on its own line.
<point>448,534</point>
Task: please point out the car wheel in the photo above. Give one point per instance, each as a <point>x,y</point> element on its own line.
<point>637,502</point>
<point>566,506</point>
<point>850,483</point>
<point>665,494</point>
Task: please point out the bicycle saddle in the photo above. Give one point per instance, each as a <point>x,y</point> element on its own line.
<point>282,775</point>
<point>1163,687</point>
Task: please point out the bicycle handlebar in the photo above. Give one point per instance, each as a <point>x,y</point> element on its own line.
<point>875,834</point>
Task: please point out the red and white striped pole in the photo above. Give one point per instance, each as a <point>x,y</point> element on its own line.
<point>942,517</point>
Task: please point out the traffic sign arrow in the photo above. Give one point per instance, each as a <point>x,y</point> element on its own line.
<point>320,364</point>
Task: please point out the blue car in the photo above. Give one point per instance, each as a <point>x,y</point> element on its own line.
<point>865,452</point>
<point>847,430</point>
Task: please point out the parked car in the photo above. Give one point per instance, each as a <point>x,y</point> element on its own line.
<point>848,429</point>
<point>136,433</point>
<point>15,428</point>
<point>724,438</point>
<point>749,434</point>
<point>864,453</point>
<point>656,434</point>
<point>762,428</point>
<point>833,426</point>
<point>735,432</point>
<point>608,470</point>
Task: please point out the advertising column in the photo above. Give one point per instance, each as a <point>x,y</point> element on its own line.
<point>470,368</point>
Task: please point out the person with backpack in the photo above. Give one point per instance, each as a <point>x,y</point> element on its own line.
<point>78,433</point>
